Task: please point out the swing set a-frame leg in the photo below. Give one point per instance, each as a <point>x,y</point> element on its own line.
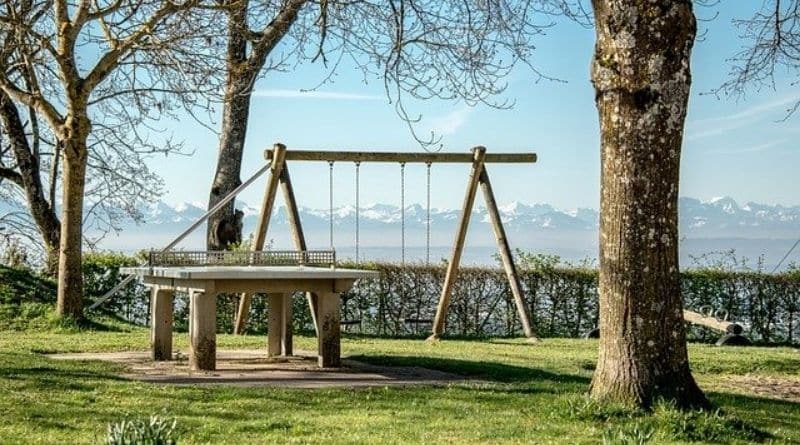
<point>279,175</point>
<point>458,245</point>
<point>479,176</point>
<point>260,234</point>
<point>298,237</point>
<point>506,256</point>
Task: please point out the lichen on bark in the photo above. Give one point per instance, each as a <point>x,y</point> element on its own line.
<point>641,75</point>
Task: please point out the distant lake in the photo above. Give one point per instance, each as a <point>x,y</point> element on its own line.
<point>772,251</point>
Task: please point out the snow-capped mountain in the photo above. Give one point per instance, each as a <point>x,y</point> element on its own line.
<point>718,217</point>
<point>162,213</point>
<point>752,229</point>
<point>724,217</point>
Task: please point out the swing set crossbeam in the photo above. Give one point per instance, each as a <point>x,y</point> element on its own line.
<point>402,157</point>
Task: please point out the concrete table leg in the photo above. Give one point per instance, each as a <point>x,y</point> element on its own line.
<point>161,319</point>
<point>329,338</point>
<point>203,331</point>
<point>280,325</point>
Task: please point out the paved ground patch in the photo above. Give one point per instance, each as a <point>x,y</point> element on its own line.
<point>248,367</point>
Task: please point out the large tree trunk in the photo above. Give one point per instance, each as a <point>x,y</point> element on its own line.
<point>641,75</point>
<point>225,227</point>
<point>70,277</point>
<point>242,69</point>
<point>40,209</point>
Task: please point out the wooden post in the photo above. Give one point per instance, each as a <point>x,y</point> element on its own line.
<point>161,319</point>
<point>203,330</point>
<point>506,255</point>
<point>279,150</point>
<point>298,237</point>
<point>329,338</point>
<point>478,154</point>
<point>280,325</point>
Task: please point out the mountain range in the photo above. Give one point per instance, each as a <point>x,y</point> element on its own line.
<point>718,217</point>
<point>718,224</point>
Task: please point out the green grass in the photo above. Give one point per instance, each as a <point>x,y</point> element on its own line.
<point>528,394</point>
<point>22,285</point>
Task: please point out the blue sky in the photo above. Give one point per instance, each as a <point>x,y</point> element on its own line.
<point>733,148</point>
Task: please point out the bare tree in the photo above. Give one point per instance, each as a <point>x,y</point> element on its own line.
<point>94,72</point>
<point>641,74</point>
<point>423,49</point>
<point>771,39</point>
<point>21,166</point>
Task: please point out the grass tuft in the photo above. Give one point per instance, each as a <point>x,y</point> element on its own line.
<point>624,425</point>
<point>638,433</point>
<point>154,431</point>
<point>583,407</point>
<point>703,426</point>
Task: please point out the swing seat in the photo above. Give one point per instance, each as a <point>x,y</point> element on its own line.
<point>346,323</point>
<point>417,321</point>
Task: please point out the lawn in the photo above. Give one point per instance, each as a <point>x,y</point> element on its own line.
<point>529,394</point>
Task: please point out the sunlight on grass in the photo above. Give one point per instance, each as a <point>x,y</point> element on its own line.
<point>522,394</point>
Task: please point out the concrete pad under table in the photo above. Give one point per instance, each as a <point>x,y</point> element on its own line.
<point>255,368</point>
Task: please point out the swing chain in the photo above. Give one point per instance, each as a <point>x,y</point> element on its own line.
<point>403,213</point>
<point>330,199</point>
<point>358,209</point>
<point>428,216</point>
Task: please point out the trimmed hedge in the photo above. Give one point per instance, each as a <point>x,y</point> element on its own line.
<point>101,273</point>
<point>562,301</point>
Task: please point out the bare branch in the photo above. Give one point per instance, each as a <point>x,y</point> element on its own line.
<point>771,39</point>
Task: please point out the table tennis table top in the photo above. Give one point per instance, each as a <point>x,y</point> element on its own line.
<point>249,272</point>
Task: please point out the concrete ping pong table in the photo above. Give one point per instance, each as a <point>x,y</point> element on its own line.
<point>280,283</point>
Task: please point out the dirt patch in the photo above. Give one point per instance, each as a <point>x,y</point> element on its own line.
<point>254,368</point>
<point>781,388</point>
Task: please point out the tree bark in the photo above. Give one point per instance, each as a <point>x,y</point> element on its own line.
<point>641,74</point>
<point>41,210</point>
<point>225,226</point>
<point>70,277</point>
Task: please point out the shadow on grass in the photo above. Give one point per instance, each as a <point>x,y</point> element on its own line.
<point>761,413</point>
<point>483,370</point>
<point>423,335</point>
<point>770,406</point>
<point>105,323</point>
<point>753,418</point>
<point>32,371</point>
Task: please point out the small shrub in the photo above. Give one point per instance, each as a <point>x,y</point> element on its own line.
<point>14,253</point>
<point>155,431</point>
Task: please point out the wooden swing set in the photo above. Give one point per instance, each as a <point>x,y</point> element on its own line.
<point>479,177</point>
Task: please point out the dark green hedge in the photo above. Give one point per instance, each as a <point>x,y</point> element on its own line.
<point>562,301</point>
<point>101,273</point>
